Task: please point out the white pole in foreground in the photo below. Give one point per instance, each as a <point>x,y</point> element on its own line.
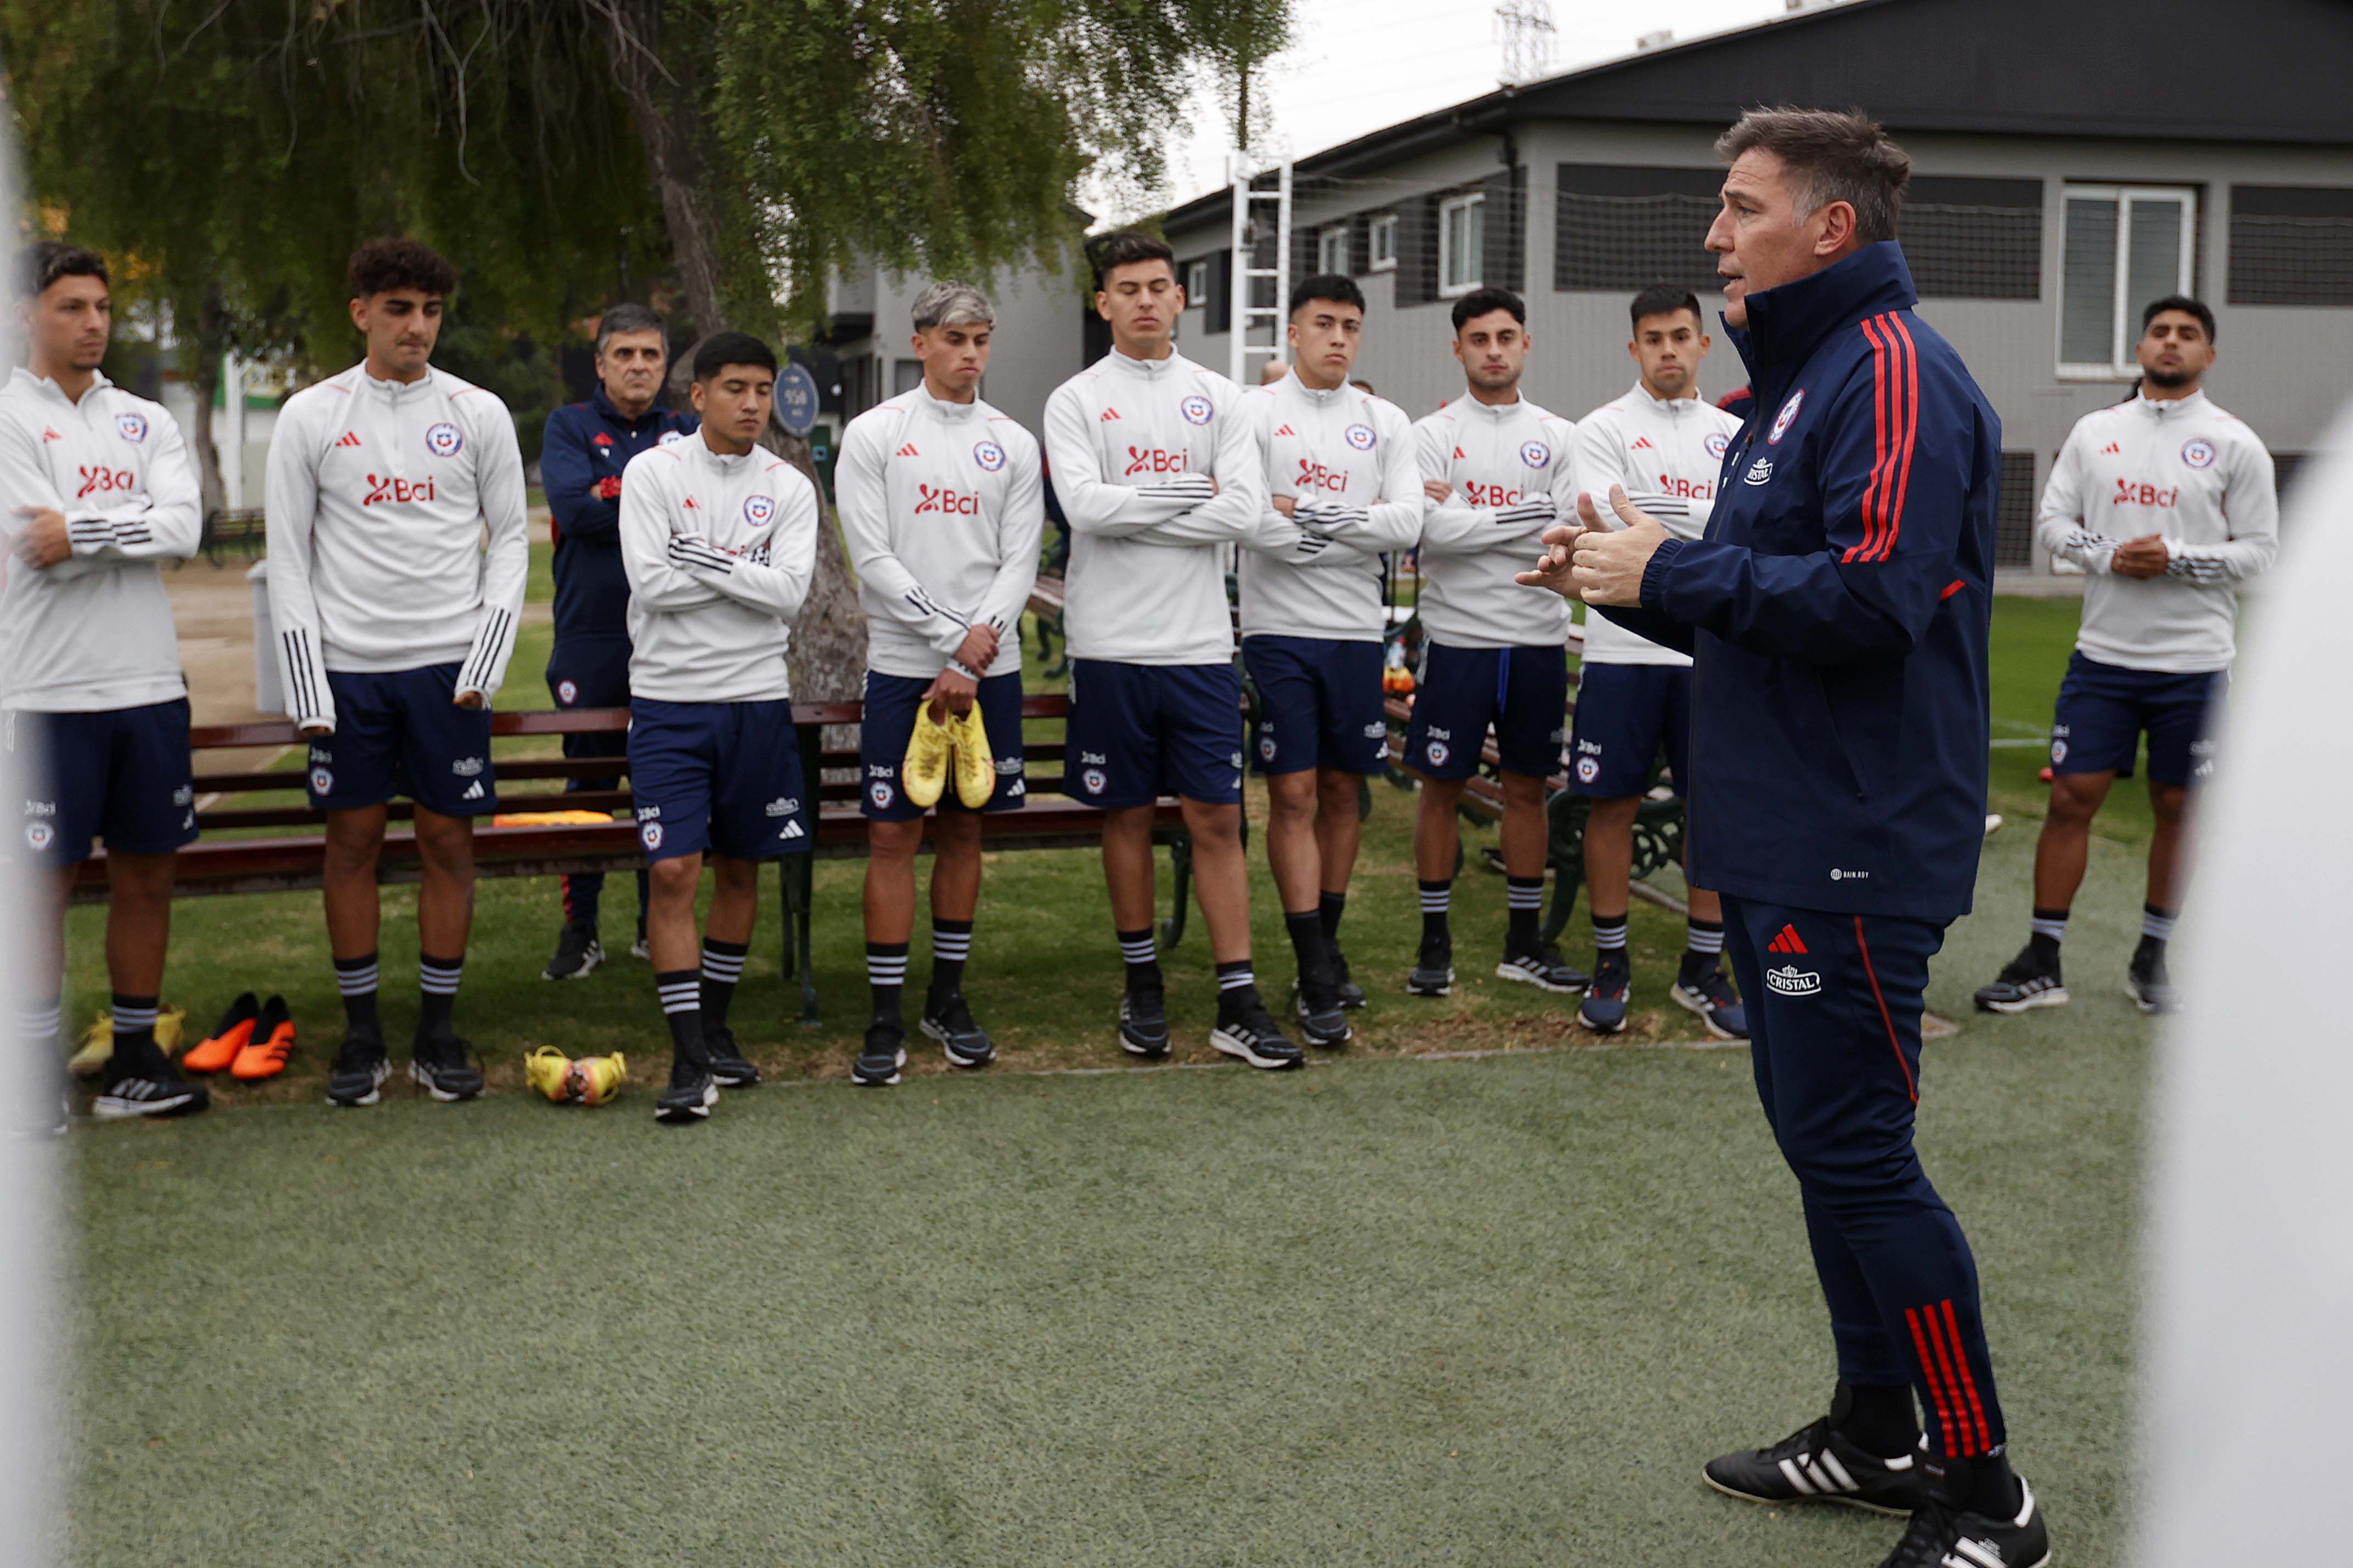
<point>2249,1368</point>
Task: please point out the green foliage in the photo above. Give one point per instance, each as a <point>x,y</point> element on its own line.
<point>952,133</point>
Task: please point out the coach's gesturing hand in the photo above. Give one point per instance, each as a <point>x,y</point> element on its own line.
<point>1607,566</point>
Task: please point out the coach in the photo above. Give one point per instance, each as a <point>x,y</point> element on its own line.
<point>1837,611</point>
<point>581,458</point>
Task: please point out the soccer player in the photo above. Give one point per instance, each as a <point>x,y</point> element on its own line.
<point>942,507</point>
<point>719,538</point>
<point>585,448</point>
<point>1663,446</point>
<point>1494,467</point>
<point>1838,611</point>
<point>1156,469</point>
<point>393,631</point>
<point>1346,492</point>
<point>95,491</point>
<point>2168,504</point>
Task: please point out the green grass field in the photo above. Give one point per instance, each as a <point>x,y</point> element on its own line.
<point>1412,1306</point>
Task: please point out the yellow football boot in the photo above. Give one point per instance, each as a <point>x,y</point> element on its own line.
<point>549,1072</point>
<point>596,1079</point>
<point>924,773</point>
<point>97,1048</point>
<point>171,1028</point>
<point>975,769</point>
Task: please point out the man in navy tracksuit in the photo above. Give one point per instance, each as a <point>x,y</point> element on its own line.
<point>1837,610</point>
<point>582,453</point>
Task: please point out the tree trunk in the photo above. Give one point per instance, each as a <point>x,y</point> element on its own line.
<point>209,345</point>
<point>660,86</point>
<point>829,646</point>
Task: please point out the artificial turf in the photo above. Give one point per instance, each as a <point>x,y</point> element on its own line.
<point>1490,1311</point>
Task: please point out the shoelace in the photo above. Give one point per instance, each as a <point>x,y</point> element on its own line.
<point>1807,1439</point>
<point>957,1017</point>
<point>1928,1540</point>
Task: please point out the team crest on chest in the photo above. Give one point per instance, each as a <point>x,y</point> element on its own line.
<point>1535,454</point>
<point>758,510</point>
<point>1788,416</point>
<point>131,427</point>
<point>1196,410</point>
<point>1360,437</point>
<point>989,455</point>
<point>443,440</point>
<point>2198,452</point>
<point>1718,443</point>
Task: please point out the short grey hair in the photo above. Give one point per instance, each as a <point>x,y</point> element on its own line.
<point>1831,157</point>
<point>630,319</point>
<point>948,304</point>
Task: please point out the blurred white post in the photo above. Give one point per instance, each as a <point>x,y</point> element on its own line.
<point>2249,1369</point>
<point>268,688</point>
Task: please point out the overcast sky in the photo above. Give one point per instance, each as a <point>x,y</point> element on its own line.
<point>1363,64</point>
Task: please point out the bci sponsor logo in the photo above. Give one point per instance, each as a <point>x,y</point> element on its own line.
<point>942,499</point>
<point>1152,460</point>
<point>1314,475</point>
<point>393,491</point>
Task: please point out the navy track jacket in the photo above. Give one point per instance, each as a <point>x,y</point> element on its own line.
<point>1837,609</point>
<point>581,457</point>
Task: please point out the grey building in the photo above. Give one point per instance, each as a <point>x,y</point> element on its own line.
<point>2073,159</point>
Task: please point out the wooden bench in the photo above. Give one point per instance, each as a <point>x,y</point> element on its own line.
<point>238,854</point>
<point>239,528</point>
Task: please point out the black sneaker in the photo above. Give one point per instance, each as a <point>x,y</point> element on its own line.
<point>1541,966</point>
<point>438,1066</point>
<point>1708,993</point>
<point>578,951</point>
<point>2148,985</point>
<point>1352,995</point>
<point>728,1066</point>
<point>1143,1022</point>
<point>1603,1010</point>
<point>691,1093</point>
<point>361,1066</point>
<point>146,1086</point>
<point>1248,1031</point>
<point>949,1021</point>
<point>1815,1464</point>
<point>1433,970</point>
<point>880,1058</point>
<point>1323,1016</point>
<point>2025,982</point>
<point>1942,1533</point>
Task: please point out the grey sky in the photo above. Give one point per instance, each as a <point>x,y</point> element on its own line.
<point>1363,64</point>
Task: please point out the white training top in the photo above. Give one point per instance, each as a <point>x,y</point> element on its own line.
<point>942,505</point>
<point>1346,459</point>
<point>719,552</point>
<point>379,495</point>
<point>1511,460</point>
<point>2185,471</point>
<point>94,631</point>
<point>1132,447</point>
<point>1667,453</point>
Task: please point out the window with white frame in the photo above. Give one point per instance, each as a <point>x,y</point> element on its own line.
<point>1332,249</point>
<point>1197,284</point>
<point>1382,235</point>
<point>1462,236</point>
<point>2124,245</point>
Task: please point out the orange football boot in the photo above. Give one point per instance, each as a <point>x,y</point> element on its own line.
<point>272,1043</point>
<point>233,1034</point>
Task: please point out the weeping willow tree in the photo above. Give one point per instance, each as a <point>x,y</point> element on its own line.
<point>236,150</point>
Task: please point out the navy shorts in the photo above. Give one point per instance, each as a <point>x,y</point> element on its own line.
<point>120,775</point>
<point>1138,732</point>
<point>891,703</point>
<point>591,672</point>
<point>1460,691</point>
<point>1625,712</point>
<point>1319,704</point>
<point>2102,711</point>
<point>398,732</point>
<point>724,776</point>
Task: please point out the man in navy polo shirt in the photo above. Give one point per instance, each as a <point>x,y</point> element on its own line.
<point>584,449</point>
<point>1837,611</point>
